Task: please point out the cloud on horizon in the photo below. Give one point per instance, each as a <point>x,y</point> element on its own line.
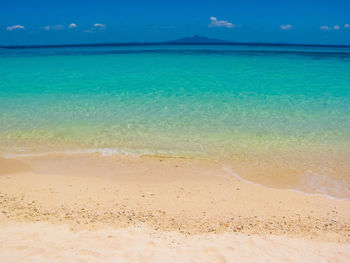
<point>325,28</point>
<point>72,25</point>
<point>286,27</point>
<point>214,22</point>
<point>100,26</point>
<point>14,27</point>
<point>335,27</point>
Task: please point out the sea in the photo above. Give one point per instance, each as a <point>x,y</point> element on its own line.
<point>276,115</point>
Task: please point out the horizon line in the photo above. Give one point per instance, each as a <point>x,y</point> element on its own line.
<point>174,43</point>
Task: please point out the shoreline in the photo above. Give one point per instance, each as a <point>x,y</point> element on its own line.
<point>26,158</point>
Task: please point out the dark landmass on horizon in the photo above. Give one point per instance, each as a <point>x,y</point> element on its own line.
<point>194,40</point>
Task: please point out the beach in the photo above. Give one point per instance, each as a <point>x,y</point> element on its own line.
<point>97,208</point>
<point>175,153</point>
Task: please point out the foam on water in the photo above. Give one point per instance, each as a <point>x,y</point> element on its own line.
<point>102,152</point>
<point>331,189</point>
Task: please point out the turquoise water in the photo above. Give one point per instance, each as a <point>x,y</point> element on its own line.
<point>288,105</point>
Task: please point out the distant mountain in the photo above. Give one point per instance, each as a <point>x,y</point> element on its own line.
<point>197,40</point>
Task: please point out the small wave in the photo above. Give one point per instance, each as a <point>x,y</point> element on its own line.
<point>101,151</point>
<point>317,188</point>
<point>324,185</point>
<point>229,171</point>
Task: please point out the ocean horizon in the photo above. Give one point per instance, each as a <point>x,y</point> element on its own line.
<point>177,42</point>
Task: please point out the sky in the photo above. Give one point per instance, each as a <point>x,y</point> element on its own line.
<point>41,22</point>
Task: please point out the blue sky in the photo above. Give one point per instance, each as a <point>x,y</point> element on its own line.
<point>99,21</point>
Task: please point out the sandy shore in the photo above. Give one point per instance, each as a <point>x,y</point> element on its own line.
<point>121,208</point>
<point>42,242</point>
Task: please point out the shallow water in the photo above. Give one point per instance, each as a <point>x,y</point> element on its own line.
<point>277,115</point>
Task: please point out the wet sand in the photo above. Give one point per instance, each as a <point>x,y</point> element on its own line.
<point>195,204</point>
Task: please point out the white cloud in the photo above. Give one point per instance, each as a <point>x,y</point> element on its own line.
<point>214,22</point>
<point>72,25</point>
<point>101,26</point>
<point>347,26</point>
<point>325,28</point>
<point>286,27</point>
<point>47,28</point>
<point>10,28</point>
<point>328,28</point>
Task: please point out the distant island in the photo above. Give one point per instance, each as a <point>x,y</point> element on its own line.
<point>193,40</point>
<point>197,40</point>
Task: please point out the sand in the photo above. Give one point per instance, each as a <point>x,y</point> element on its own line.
<point>90,208</point>
<point>42,242</point>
